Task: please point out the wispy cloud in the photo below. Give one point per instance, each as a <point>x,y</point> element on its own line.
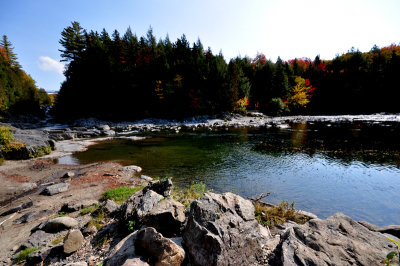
<point>46,63</point>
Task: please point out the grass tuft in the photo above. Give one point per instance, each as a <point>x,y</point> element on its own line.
<point>189,194</point>
<point>120,194</point>
<point>89,209</point>
<point>24,254</point>
<point>272,216</point>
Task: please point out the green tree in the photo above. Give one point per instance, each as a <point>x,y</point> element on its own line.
<point>9,51</point>
<point>73,41</point>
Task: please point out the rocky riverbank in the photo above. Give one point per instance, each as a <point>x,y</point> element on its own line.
<point>55,210</point>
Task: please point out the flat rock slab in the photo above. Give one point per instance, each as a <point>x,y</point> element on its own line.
<point>338,240</point>
<point>55,189</point>
<point>38,238</point>
<point>32,215</point>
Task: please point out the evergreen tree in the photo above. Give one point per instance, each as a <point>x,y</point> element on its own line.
<point>9,51</point>
<point>73,41</point>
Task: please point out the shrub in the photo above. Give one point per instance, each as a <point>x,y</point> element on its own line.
<point>6,136</point>
<point>120,194</point>
<point>187,195</point>
<point>272,216</point>
<point>276,106</point>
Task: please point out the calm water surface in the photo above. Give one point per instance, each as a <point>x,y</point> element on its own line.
<point>324,168</point>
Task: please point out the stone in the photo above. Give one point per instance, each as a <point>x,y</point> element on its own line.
<point>60,223</point>
<point>104,127</point>
<point>28,186</point>
<point>110,206</point>
<point>123,251</point>
<point>145,177</point>
<point>162,187</point>
<point>108,132</point>
<point>222,230</point>
<point>78,263</point>
<point>167,217</point>
<point>163,251</point>
<point>83,220</point>
<point>138,205</point>
<point>78,205</point>
<point>23,206</point>
<point>131,168</point>
<point>55,189</point>
<point>135,262</point>
<point>68,175</point>
<point>32,215</point>
<point>37,239</point>
<point>389,229</point>
<point>90,230</point>
<point>39,255</point>
<point>338,240</point>
<point>73,241</point>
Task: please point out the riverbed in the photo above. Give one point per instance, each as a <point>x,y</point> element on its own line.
<point>324,167</point>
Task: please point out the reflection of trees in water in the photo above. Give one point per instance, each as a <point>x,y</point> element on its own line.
<point>377,144</point>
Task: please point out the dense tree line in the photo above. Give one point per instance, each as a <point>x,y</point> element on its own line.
<point>18,92</point>
<point>130,77</point>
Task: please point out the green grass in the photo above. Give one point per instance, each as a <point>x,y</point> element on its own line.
<point>58,240</point>
<point>89,209</point>
<point>120,194</point>
<point>272,216</point>
<point>189,194</point>
<point>24,254</point>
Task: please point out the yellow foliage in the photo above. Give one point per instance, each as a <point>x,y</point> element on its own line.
<point>299,96</point>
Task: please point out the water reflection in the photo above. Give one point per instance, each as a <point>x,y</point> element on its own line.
<point>351,168</point>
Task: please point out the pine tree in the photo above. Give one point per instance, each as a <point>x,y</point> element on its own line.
<point>11,56</point>
<point>73,41</point>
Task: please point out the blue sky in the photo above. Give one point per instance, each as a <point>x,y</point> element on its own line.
<point>291,28</point>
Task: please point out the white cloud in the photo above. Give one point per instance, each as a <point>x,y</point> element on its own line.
<point>46,63</point>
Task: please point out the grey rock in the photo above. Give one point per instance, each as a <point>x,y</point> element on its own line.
<point>108,132</point>
<point>37,239</point>
<point>73,241</point>
<point>222,230</point>
<point>55,189</point>
<point>163,251</point>
<point>23,206</point>
<point>390,229</point>
<point>131,168</point>
<point>32,215</point>
<point>39,255</point>
<point>83,220</point>
<point>68,175</point>
<point>167,217</point>
<point>78,205</point>
<point>90,230</point>
<point>162,187</point>
<point>338,240</point>
<point>28,186</point>
<point>59,224</point>
<point>138,205</point>
<point>78,263</point>
<point>145,177</point>
<point>123,251</point>
<point>110,206</point>
<point>104,127</point>
<point>135,262</point>
<point>368,225</point>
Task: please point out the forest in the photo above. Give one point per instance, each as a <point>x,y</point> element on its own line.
<point>18,91</point>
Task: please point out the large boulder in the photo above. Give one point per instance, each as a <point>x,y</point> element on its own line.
<point>138,205</point>
<point>222,230</point>
<point>55,189</point>
<point>162,187</point>
<point>123,251</point>
<point>338,240</point>
<point>167,217</point>
<point>73,241</point>
<point>160,250</point>
<point>59,224</point>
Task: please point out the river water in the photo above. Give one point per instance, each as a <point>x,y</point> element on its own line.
<point>324,168</point>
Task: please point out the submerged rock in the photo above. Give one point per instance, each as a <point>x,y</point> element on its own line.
<point>338,240</point>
